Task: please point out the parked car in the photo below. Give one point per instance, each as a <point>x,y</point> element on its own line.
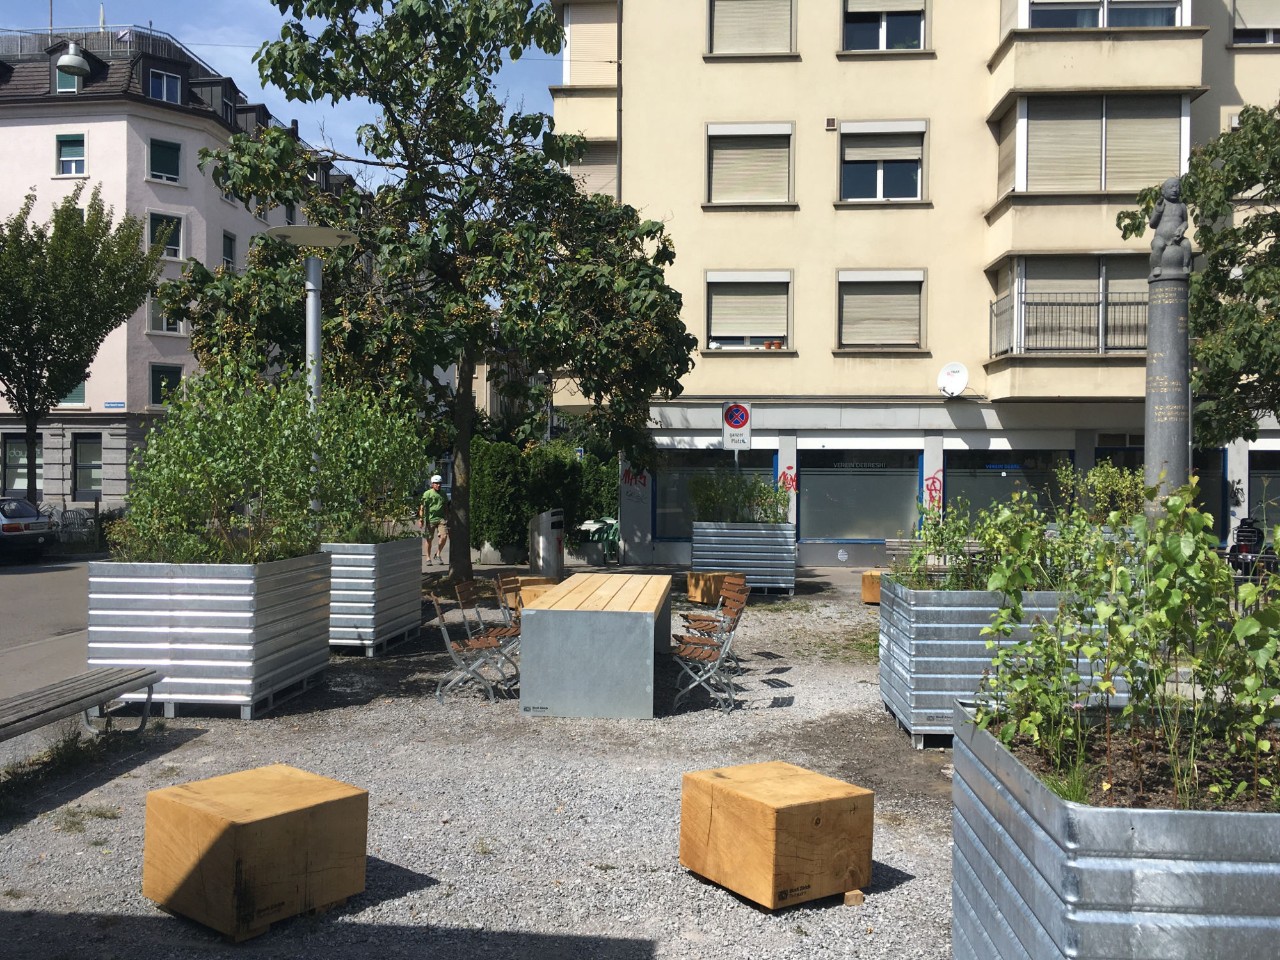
<point>23,529</point>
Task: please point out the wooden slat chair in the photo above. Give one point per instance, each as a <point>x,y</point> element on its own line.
<point>704,662</point>
<point>710,628</point>
<point>482,627</point>
<point>470,660</point>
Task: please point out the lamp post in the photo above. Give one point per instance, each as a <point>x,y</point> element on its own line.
<point>326,238</point>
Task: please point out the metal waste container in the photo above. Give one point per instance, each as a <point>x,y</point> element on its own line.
<point>546,544</point>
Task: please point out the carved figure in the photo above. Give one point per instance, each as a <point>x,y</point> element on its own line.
<point>1170,248</point>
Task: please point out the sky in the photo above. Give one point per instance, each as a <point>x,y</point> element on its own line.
<point>225,34</point>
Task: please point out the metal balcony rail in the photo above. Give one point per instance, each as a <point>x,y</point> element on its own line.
<point>1069,323</point>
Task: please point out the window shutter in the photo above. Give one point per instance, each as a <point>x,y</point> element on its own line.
<point>166,159</point>
<point>76,396</point>
<point>879,314</point>
<point>597,171</point>
<point>750,169</point>
<point>1007,164</point>
<point>1127,275</point>
<point>883,146</point>
<point>1064,143</point>
<point>747,310</point>
<point>70,146</point>
<point>883,6</point>
<point>1257,14</point>
<point>751,26</point>
<point>593,44</point>
<point>1053,275</point>
<point>1144,141</point>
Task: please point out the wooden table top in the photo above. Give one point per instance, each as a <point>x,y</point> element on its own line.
<point>612,592</point>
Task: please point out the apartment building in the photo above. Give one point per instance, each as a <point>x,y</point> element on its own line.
<point>135,127</point>
<point>895,232</point>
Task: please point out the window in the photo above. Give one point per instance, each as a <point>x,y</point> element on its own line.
<point>75,398</point>
<point>749,163</point>
<point>746,308</point>
<point>884,25</point>
<point>1068,303</point>
<point>881,161</point>
<point>881,308</point>
<point>14,465</point>
<point>70,154</point>
<point>229,251</point>
<point>673,504</point>
<point>857,494</point>
<point>1066,137</point>
<point>65,82</point>
<point>597,171</point>
<point>166,161</point>
<point>157,320</point>
<point>290,214</point>
<point>160,223</point>
<point>1083,15</point>
<point>166,86</point>
<point>86,466</point>
<point>751,26</point>
<point>591,45</point>
<point>164,380</point>
<point>1256,21</point>
<point>985,477</point>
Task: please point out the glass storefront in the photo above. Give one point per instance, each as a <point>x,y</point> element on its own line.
<point>1208,465</point>
<point>857,494</point>
<point>671,475</point>
<point>1264,488</point>
<point>984,477</point>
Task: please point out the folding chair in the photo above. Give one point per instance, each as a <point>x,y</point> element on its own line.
<point>710,628</point>
<point>704,662</point>
<point>470,658</point>
<point>478,628</point>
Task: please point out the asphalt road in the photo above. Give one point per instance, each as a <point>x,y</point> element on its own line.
<point>44,616</point>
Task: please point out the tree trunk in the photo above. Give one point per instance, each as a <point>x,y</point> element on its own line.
<point>32,438</point>
<point>464,418</point>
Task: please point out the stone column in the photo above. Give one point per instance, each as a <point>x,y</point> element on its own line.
<point>1167,450</point>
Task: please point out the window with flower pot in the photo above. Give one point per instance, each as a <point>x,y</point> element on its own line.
<point>748,309</point>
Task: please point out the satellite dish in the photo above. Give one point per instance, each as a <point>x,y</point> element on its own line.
<point>952,379</point>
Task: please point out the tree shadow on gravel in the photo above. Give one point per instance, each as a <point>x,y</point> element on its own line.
<point>42,935</point>
<point>64,773</point>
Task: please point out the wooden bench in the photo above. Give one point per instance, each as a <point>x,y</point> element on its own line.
<point>75,695</point>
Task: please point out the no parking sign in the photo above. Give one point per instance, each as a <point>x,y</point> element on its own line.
<point>736,433</point>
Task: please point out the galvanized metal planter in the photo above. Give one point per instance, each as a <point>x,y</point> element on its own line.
<point>765,552</point>
<point>375,598</point>
<point>1036,876</point>
<point>245,635</point>
<point>932,649</point>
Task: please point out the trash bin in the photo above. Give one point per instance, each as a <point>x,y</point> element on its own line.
<point>546,544</point>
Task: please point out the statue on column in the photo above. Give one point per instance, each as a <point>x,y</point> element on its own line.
<point>1170,248</point>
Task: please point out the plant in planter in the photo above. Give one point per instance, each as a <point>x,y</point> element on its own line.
<point>740,525</point>
<point>1180,771</point>
<point>217,577</point>
<point>368,472</point>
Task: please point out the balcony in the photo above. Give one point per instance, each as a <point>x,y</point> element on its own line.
<point>1081,323</point>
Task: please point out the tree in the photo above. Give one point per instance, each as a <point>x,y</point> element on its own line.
<point>64,285</point>
<point>1232,189</point>
<point>477,245</point>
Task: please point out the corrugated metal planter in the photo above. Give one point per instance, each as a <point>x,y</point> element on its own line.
<point>765,552</point>
<point>932,649</point>
<point>375,599</point>
<point>1037,876</point>
<point>245,635</point>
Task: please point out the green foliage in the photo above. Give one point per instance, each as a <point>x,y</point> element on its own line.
<point>1232,189</point>
<point>729,496</point>
<point>226,476</point>
<point>1103,490</point>
<point>1154,614</point>
<point>497,495</point>
<point>948,552</point>
<point>64,286</point>
<point>371,464</point>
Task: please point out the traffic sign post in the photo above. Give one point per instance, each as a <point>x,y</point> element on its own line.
<point>736,426</point>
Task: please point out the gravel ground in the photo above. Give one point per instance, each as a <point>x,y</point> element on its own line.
<point>494,835</point>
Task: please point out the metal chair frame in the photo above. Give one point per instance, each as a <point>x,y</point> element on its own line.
<point>470,658</point>
<point>704,661</point>
<point>479,629</point>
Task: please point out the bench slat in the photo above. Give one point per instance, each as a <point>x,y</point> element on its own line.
<point>66,698</point>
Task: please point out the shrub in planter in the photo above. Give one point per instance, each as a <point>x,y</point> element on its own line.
<point>727,496</point>
<point>740,524</point>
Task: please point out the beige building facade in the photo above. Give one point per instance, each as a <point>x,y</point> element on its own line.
<point>895,232</point>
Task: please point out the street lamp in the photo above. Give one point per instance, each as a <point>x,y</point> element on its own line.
<point>327,238</point>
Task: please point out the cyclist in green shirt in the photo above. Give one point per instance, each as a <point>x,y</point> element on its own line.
<point>433,515</point>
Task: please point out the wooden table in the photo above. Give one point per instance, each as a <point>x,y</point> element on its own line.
<point>588,646</point>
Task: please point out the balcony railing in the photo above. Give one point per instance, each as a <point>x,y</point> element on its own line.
<point>1069,323</point>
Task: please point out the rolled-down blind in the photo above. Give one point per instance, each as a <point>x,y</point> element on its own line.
<point>883,146</point>
<point>1053,275</point>
<point>1007,159</point>
<point>1257,14</point>
<point>751,26</point>
<point>166,159</point>
<point>1064,143</point>
<point>76,396</point>
<point>1127,275</point>
<point>879,314</point>
<point>593,44</point>
<point>747,310</point>
<point>597,171</point>
<point>882,6</point>
<point>750,169</point>
<point>1144,141</point>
